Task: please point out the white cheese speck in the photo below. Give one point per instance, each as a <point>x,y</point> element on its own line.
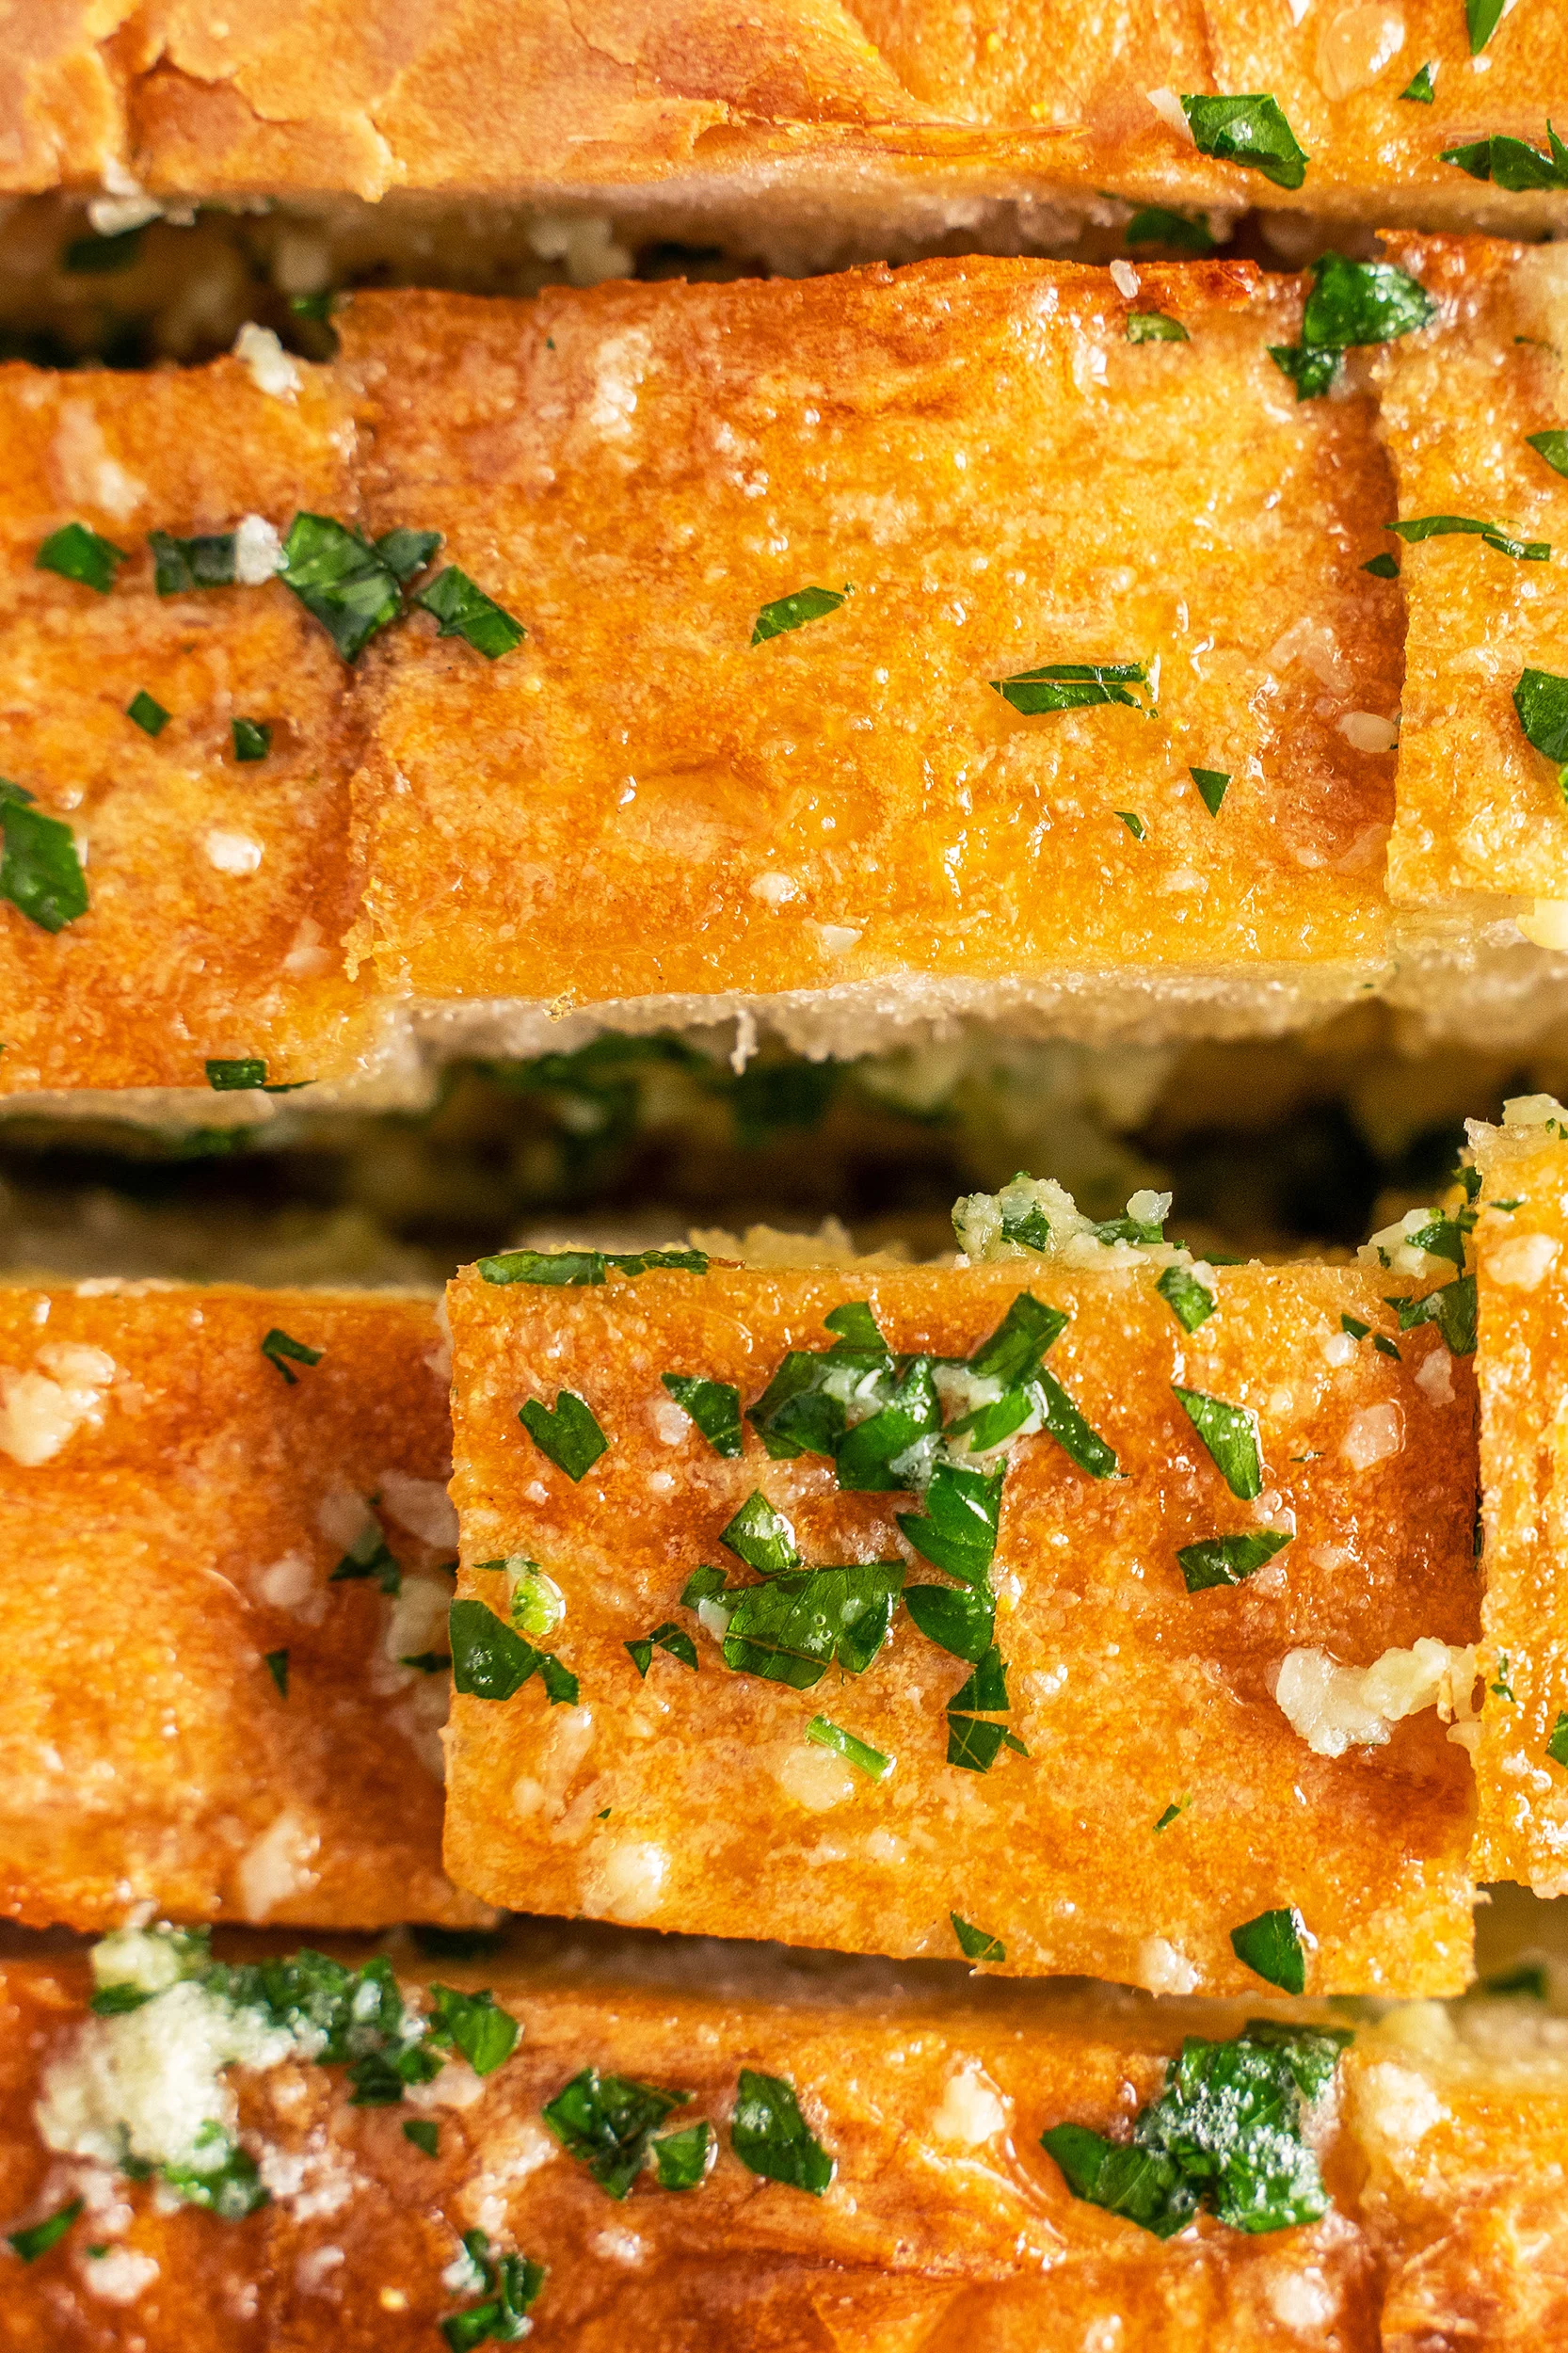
<point>272,370</point>
<point>258,551</point>
<point>120,2275</point>
<point>1374,1435</point>
<point>422,1506</point>
<point>276,1866</point>
<point>972,2111</point>
<point>1523,1262</point>
<point>232,853</point>
<point>626,1880</point>
<point>1333,1707</point>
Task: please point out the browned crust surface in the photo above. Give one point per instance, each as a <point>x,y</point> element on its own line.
<point>689,1800</point>
<point>172,1541</point>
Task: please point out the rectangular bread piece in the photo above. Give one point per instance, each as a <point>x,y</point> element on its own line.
<point>198,1720</point>
<point>1166,1800</point>
<point>862,2160</point>
<point>219,890</point>
<point>1478,861</point>
<point>657,809</point>
<point>1522,1281</point>
<point>849,122</point>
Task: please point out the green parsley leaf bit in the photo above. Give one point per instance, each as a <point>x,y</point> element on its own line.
<point>40,872</point>
<point>280,1350</point>
<point>974,1744</point>
<point>668,1637</point>
<point>794,611</point>
<point>1527,1982</point>
<point>252,738</point>
<point>1075,686</point>
<point>607,2122</point>
<point>761,1537</point>
<point>715,1406</point>
<point>854,1326</point>
<point>1271,1947</point>
<point>1418,91</point>
<point>1311,368</point>
<point>246,1071</point>
<point>1553,447</point>
<point>577,1269</point>
<point>1491,535</point>
<point>425,2133</point>
<point>1541,703</point>
<point>182,566</point>
<point>473,2023</point>
<point>1073,1434</point>
<point>870,1761</point>
<point>1134,824</point>
<point>1227,1559</point>
<point>1173,1813</point>
<point>1229,1432</point>
<point>1382,567</point>
<point>341,580</point>
<point>957,1530</point>
<point>770,2136</point>
<point>1514,164</point>
<point>1251,130</point>
<point>1026,1332</point>
<point>683,2160</point>
<point>1155,327</point>
<point>567,1431</point>
<point>1183,232</point>
<point>407,552</point>
<point>1191,1301</point>
<point>1482,19</point>
<point>1452,1307</point>
<point>489,1661</point>
<point>40,2236</point>
<point>277,1664</point>
<point>105,256</point>
<point>1211,783</point>
<point>369,1557</point>
<point>792,1628</point>
<point>960,1619</point>
<point>1349,303</point>
<point>463,610</point>
<point>145,712</point>
<point>218,2175</point>
<point>1557,1747</point>
<point>510,2284</point>
<point>977,1944</point>
<point>77,553</point>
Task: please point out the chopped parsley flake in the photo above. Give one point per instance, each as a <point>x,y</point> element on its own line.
<point>1541,701</point>
<point>1134,824</point>
<point>40,872</point>
<point>770,2136</point>
<point>105,256</point>
<point>492,1662</point>
<point>977,1944</point>
<point>427,1662</point>
<point>1272,1946</point>
<point>961,1621</point>
<point>854,1326</point>
<point>341,580</point>
<point>425,2134</point>
<point>1553,447</point>
<point>958,1530</point>
<point>407,552</point>
<point>474,2024</point>
<point>681,2160</point>
<point>245,1070</point>
<point>715,1406</point>
<point>369,1557</point>
<point>1482,19</point>
<point>1191,1301</point>
<point>791,1629</point>
<point>146,712</point>
<point>1153,224</point>
<point>77,553</point>
<point>1491,535</point>
<point>793,612</point>
<point>1211,783</point>
<point>1073,1434</point>
<point>180,566</point>
<point>1451,1307</point>
<point>575,1269</point>
<point>1021,1339</point>
<point>867,1760</point>
<point>252,738</point>
<point>1251,130</point>
<point>510,2284</point>
<point>1173,1813</point>
<point>607,2122</point>
<point>668,1637</point>
<point>1512,164</point>
<point>463,610</point>
<point>1350,302</point>
<point>1382,567</point>
<point>1074,686</point>
<point>1529,1981</point>
<point>1503,1689</point>
<point>1557,1747</point>
<point>280,1350</point>
<point>569,1433</point>
<point>1154,326</point>
<point>32,2243</point>
<point>1418,89</point>
<point>277,1664</point>
<point>1312,370</point>
<point>1230,1434</point>
<point>1225,2133</point>
<point>1227,1559</point>
<point>761,1537</point>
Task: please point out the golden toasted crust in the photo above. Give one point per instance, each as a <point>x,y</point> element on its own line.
<point>691,1801</point>
<point>1522,1826</point>
<point>1480,816</point>
<point>163,1493</point>
<point>945,2214</point>
<point>885,107</point>
<point>218,891</point>
<point>640,803</point>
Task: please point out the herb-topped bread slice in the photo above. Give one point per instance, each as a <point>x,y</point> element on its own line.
<point>1084,1609</point>
<point>688,2144</point>
<point>225,1628</point>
